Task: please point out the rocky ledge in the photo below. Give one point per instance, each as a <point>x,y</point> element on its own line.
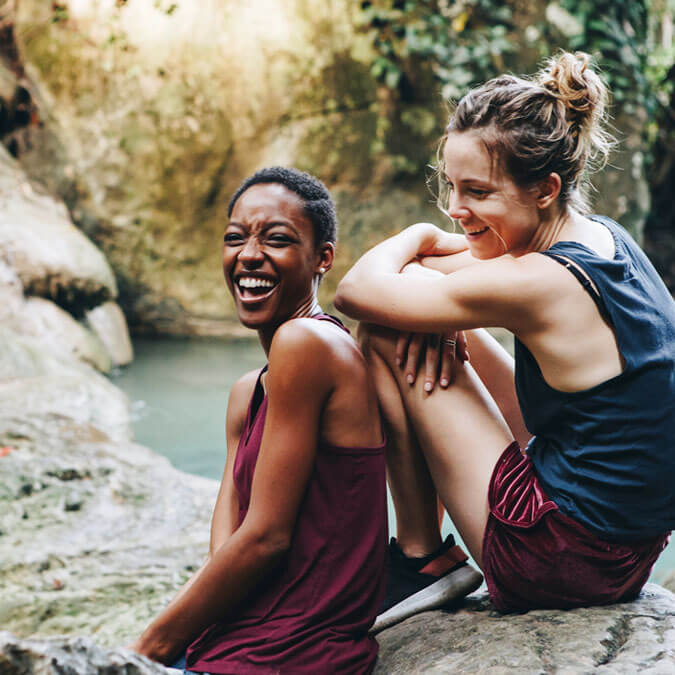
<point>627,638</point>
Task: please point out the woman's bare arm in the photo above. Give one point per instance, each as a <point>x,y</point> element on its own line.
<point>497,292</point>
<point>226,510</point>
<point>298,385</point>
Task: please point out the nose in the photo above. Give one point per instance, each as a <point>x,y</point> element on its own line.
<point>251,254</point>
<point>456,208</point>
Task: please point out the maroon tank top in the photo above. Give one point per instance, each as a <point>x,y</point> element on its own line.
<point>313,614</point>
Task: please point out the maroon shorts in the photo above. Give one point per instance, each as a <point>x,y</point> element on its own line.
<point>534,556</point>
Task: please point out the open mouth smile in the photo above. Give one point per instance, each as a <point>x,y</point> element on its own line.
<point>252,289</point>
<point>476,233</point>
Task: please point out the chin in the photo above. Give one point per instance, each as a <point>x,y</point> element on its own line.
<point>254,322</point>
<point>483,254</point>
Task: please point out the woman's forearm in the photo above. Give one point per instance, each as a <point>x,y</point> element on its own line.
<point>366,284</point>
<point>212,594</point>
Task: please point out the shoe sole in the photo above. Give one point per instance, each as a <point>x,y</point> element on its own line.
<point>451,587</point>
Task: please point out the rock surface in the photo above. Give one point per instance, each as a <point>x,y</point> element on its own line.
<point>75,656</point>
<point>626,638</point>
<point>108,323</point>
<point>50,275</point>
<point>51,257</point>
<point>58,332</point>
<point>636,637</point>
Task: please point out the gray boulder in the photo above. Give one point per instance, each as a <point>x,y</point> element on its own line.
<point>50,256</point>
<point>97,533</point>
<point>75,656</point>
<point>59,333</point>
<point>636,637</point>
<point>107,322</point>
<point>627,638</point>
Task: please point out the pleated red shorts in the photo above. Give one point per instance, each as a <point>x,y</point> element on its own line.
<point>534,556</point>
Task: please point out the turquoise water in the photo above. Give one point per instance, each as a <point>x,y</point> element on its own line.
<point>179,389</point>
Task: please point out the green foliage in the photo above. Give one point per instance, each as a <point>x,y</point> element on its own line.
<point>462,42</point>
<point>465,42</point>
<point>615,32</point>
<point>469,41</point>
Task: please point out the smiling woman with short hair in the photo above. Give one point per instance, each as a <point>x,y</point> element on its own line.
<point>294,576</point>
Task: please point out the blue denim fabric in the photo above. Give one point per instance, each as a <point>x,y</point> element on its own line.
<point>180,665</point>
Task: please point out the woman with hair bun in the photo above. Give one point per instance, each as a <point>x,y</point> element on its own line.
<point>556,468</point>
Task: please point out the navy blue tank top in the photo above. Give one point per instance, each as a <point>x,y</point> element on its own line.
<point>606,455</point>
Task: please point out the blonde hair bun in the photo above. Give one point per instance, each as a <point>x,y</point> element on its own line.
<point>572,80</point>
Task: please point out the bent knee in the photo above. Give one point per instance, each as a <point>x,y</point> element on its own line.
<point>377,338</point>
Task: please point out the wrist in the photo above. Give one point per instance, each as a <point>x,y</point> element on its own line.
<point>157,645</point>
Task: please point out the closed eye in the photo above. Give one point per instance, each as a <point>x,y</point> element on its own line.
<point>233,238</point>
<point>278,239</point>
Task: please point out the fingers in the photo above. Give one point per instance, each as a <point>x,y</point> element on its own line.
<point>462,349</point>
<point>413,357</point>
<point>431,362</point>
<point>447,359</point>
<point>439,357</point>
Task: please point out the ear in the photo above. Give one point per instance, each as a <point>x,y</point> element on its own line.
<point>548,190</point>
<point>325,257</point>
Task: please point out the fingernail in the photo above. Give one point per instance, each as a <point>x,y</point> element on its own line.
<point>398,361</point>
<point>427,386</point>
<point>444,383</point>
<point>410,379</point>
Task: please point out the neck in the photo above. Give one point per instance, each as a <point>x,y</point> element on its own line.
<point>308,308</point>
<point>553,228</point>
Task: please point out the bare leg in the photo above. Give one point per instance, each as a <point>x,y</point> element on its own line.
<point>460,431</point>
<point>413,492</point>
<point>495,367</point>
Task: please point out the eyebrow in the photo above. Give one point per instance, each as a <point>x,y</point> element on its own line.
<point>470,180</point>
<point>267,226</point>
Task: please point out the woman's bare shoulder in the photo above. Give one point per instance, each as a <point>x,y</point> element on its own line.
<point>238,400</point>
<point>313,344</point>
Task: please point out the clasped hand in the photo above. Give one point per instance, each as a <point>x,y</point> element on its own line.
<point>433,354</point>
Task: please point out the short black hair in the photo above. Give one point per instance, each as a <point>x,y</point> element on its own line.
<point>319,205</point>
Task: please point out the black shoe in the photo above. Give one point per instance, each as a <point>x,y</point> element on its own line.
<point>416,585</point>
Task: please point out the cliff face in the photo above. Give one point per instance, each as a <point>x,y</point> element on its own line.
<point>151,116</point>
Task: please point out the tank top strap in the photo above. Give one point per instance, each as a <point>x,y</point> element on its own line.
<point>331,319</point>
<point>585,281</point>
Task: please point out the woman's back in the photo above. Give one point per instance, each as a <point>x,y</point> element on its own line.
<point>314,614</point>
<point>600,451</point>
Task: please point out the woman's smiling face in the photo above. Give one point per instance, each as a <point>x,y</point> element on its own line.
<point>269,256</point>
<point>496,215</point>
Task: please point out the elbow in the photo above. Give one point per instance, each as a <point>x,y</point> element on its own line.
<point>270,546</point>
<point>344,297</point>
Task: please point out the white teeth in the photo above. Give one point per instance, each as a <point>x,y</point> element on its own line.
<point>252,282</point>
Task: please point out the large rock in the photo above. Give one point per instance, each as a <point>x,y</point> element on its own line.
<point>109,324</point>
<point>627,638</point>
<point>636,637</point>
<point>97,533</point>
<point>76,656</point>
<point>50,256</point>
<point>59,333</point>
